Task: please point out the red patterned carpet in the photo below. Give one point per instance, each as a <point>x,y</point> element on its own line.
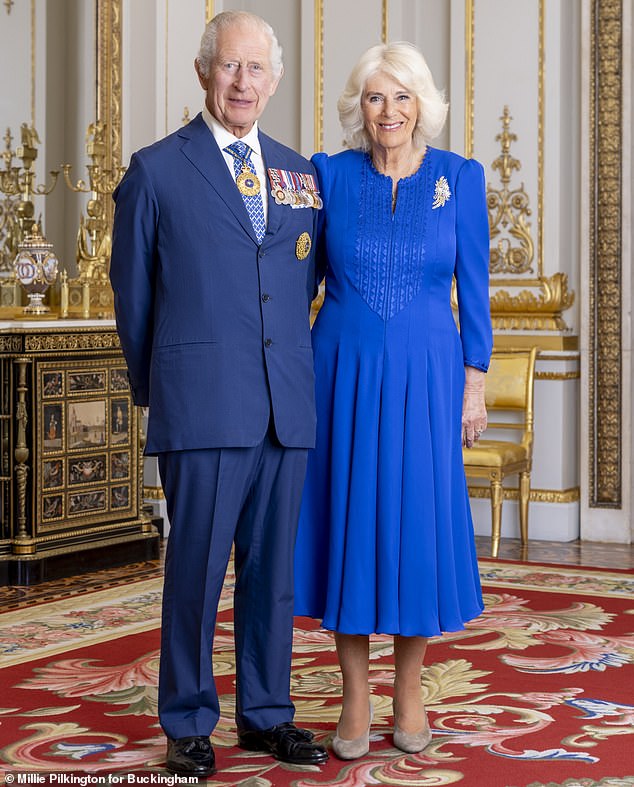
<point>539,690</point>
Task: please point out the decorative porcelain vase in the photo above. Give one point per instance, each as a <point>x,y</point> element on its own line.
<point>36,269</point>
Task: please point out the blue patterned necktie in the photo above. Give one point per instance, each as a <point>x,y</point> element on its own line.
<point>241,153</point>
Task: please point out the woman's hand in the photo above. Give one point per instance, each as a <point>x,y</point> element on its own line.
<point>474,413</point>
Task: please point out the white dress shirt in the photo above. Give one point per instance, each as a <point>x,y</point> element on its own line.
<point>225,138</point>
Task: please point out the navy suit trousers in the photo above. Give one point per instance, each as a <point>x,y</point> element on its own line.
<point>216,497</point>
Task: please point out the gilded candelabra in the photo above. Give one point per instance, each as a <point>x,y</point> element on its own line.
<point>94,238</point>
<point>17,211</point>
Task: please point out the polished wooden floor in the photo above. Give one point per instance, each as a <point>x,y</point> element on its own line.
<point>575,553</point>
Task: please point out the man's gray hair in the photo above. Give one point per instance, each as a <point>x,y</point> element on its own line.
<point>226,19</point>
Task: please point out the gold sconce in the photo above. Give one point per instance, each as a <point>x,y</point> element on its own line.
<point>94,239</point>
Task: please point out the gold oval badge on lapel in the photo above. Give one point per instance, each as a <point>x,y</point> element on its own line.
<point>302,246</point>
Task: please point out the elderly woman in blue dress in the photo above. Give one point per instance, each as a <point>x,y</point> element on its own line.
<point>385,542</point>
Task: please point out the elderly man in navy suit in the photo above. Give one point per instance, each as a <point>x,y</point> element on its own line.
<point>213,274</point>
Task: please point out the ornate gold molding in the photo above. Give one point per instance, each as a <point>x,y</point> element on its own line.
<point>209,10</point>
<point>605,281</point>
<point>469,74</point>
<point>109,76</point>
<point>129,532</point>
<point>72,341</point>
<point>384,21</point>
<point>557,375</point>
<point>541,112</point>
<point>536,495</point>
<point>153,493</point>
<point>33,55</point>
<point>545,341</point>
<point>534,312</point>
<point>11,344</point>
<point>319,75</point>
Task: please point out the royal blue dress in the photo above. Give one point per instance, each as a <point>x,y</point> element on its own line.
<point>385,541</point>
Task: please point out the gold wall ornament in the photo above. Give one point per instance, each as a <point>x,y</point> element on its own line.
<point>8,4</point>
<point>605,369</point>
<point>541,311</point>
<point>508,211</point>
<point>525,302</point>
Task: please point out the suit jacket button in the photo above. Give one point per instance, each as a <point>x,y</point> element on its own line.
<point>266,297</point>
<point>268,342</point>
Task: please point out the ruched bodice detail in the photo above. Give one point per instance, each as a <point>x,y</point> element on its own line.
<point>387,268</point>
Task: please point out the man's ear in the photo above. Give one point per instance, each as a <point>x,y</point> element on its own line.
<point>204,81</point>
<point>276,82</point>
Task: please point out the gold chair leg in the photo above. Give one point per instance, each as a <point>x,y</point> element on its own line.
<point>525,488</point>
<point>496,516</point>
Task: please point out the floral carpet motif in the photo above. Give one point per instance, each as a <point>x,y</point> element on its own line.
<point>539,690</point>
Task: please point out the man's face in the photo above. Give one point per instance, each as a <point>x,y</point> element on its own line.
<point>241,79</point>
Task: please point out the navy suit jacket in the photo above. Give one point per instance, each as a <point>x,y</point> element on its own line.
<point>214,328</point>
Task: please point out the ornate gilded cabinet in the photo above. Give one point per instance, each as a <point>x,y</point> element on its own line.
<point>71,474</point>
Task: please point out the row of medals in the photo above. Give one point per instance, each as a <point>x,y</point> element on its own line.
<point>249,185</point>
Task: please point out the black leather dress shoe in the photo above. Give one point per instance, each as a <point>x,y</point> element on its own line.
<point>192,756</point>
<point>285,742</point>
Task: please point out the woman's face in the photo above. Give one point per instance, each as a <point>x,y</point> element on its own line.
<point>389,111</point>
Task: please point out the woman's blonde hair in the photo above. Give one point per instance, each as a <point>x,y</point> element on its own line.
<point>404,63</point>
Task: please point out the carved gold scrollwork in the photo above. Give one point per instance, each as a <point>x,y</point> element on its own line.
<point>72,341</point>
<point>508,212</point>
<point>540,307</point>
<point>530,311</point>
<point>10,344</point>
